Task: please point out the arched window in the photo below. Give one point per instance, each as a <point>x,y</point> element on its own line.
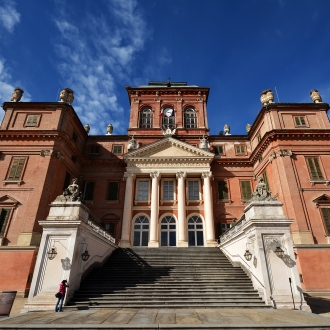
<point>190,118</point>
<point>168,118</point>
<point>141,231</point>
<point>195,231</point>
<point>168,231</point>
<point>146,118</point>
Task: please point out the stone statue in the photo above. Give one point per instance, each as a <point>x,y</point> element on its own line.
<point>267,97</point>
<point>109,129</point>
<point>315,96</point>
<point>226,129</point>
<point>248,127</point>
<point>168,132</point>
<point>66,95</point>
<point>87,128</point>
<point>204,143</point>
<point>261,192</point>
<point>70,194</point>
<point>132,144</point>
<point>17,95</point>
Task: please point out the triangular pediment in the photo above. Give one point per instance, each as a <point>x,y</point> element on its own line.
<point>8,201</point>
<point>324,199</point>
<point>168,148</point>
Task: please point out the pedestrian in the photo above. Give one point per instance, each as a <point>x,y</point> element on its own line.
<point>60,299</point>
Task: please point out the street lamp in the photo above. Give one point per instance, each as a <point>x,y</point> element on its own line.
<point>52,253</point>
<point>248,255</point>
<point>85,256</point>
<point>279,252</point>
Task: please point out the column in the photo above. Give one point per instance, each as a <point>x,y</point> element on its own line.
<point>153,237</point>
<point>208,209</point>
<point>182,223</point>
<point>127,216</point>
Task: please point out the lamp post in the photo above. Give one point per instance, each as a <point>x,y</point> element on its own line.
<point>248,255</point>
<point>280,253</point>
<point>52,253</point>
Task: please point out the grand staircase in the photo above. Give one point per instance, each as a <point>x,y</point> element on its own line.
<point>167,278</point>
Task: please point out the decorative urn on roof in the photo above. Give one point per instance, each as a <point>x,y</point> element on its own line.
<point>248,127</point>
<point>267,97</point>
<point>66,95</point>
<point>226,129</point>
<point>109,129</point>
<point>315,96</point>
<point>204,144</point>
<point>87,128</point>
<point>17,95</point>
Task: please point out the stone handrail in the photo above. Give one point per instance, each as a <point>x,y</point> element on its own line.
<point>98,229</point>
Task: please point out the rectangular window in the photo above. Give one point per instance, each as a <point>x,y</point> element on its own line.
<point>113,191</point>
<point>314,169</point>
<point>117,150</point>
<point>218,150</point>
<point>245,190</point>
<point>66,180</point>
<point>264,176</point>
<point>89,191</point>
<point>300,121</point>
<point>4,216</point>
<point>222,190</point>
<point>74,137</point>
<point>95,149</point>
<point>326,218</point>
<point>16,168</point>
<point>32,120</point>
<point>240,150</point>
<point>168,190</point>
<point>143,191</point>
<point>110,228</point>
<point>193,190</point>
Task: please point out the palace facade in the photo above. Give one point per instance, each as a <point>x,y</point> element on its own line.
<point>168,182</point>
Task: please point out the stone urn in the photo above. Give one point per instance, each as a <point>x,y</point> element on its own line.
<point>248,127</point>
<point>315,96</point>
<point>109,129</point>
<point>226,129</point>
<point>66,95</point>
<point>17,95</point>
<point>267,97</point>
<point>87,128</point>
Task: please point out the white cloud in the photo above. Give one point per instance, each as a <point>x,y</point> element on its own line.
<point>9,16</point>
<point>96,56</point>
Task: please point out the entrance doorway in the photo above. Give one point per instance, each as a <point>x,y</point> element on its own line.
<point>195,231</point>
<point>168,231</point>
<point>141,231</point>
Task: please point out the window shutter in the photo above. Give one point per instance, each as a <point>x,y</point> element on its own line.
<point>222,190</point>
<point>314,169</point>
<point>302,121</point>
<point>4,215</point>
<point>113,191</point>
<point>326,218</point>
<point>246,190</point>
<point>89,191</point>
<point>264,176</point>
<point>16,169</point>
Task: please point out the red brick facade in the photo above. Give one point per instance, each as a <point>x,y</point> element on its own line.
<point>288,144</point>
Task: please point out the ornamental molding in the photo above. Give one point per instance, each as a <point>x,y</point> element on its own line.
<point>128,175</point>
<point>44,153</point>
<point>207,174</point>
<point>155,175</point>
<point>167,163</point>
<point>279,153</point>
<point>181,175</point>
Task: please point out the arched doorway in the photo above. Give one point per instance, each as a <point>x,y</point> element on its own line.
<point>168,231</point>
<point>141,231</point>
<point>195,231</point>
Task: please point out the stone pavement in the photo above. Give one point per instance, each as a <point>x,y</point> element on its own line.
<point>193,318</point>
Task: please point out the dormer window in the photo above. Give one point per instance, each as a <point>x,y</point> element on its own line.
<point>146,118</point>
<point>190,118</point>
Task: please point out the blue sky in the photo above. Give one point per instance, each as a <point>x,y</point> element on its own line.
<point>237,48</point>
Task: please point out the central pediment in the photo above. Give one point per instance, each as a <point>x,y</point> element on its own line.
<point>168,154</point>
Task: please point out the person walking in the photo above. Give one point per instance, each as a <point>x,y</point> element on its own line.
<point>60,299</point>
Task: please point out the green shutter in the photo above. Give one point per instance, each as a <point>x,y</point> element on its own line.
<point>246,190</point>
<point>16,169</point>
<point>326,218</point>
<point>314,169</point>
<point>113,191</point>
<point>302,121</point>
<point>264,176</point>
<point>222,190</point>
<point>4,215</point>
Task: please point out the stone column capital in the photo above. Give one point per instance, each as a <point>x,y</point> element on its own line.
<point>207,174</point>
<point>128,175</point>
<point>155,174</point>
<point>181,175</point>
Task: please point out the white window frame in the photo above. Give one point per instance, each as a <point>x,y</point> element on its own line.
<point>136,201</point>
<point>200,200</point>
<point>162,200</point>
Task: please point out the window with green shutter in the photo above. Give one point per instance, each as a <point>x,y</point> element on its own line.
<point>222,190</point>
<point>113,191</point>
<point>117,150</point>
<point>245,190</point>
<point>218,150</point>
<point>314,169</point>
<point>16,168</point>
<point>32,120</point>
<point>4,216</point>
<point>264,176</point>
<point>300,121</point>
<point>240,150</point>
<point>326,218</point>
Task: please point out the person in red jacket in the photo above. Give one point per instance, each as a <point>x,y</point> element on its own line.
<point>62,290</point>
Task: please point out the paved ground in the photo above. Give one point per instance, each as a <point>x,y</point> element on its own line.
<point>167,319</point>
